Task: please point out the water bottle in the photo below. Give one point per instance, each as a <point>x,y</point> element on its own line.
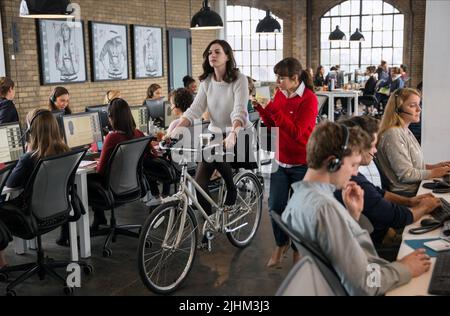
<point>331,85</point>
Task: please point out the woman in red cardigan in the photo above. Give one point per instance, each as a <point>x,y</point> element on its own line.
<point>293,111</point>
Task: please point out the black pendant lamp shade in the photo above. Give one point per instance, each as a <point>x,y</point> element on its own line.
<point>46,9</point>
<point>357,36</point>
<point>268,25</point>
<point>337,35</point>
<point>206,19</point>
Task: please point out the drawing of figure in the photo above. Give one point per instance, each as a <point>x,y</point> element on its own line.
<point>115,50</point>
<point>151,54</point>
<point>66,54</point>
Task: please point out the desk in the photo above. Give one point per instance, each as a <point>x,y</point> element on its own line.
<point>349,94</point>
<point>419,285</point>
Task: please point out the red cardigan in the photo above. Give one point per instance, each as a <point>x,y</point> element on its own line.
<point>296,118</point>
<point>111,141</point>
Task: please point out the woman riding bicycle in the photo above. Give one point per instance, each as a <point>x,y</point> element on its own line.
<point>223,92</point>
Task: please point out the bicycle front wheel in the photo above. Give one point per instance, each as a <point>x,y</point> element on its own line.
<point>163,261</point>
<point>243,221</point>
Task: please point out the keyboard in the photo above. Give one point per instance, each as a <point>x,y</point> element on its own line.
<point>442,214</point>
<point>440,280</point>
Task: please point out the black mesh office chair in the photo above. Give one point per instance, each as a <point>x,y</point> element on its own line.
<point>44,205</point>
<point>122,184</point>
<point>322,113</point>
<point>323,276</point>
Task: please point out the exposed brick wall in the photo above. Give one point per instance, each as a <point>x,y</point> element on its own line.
<point>293,13</point>
<point>24,70</point>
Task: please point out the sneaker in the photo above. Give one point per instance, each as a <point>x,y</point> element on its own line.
<point>148,196</point>
<point>154,201</point>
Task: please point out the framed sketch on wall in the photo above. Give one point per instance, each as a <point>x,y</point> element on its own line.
<point>109,51</point>
<point>61,52</point>
<point>147,52</point>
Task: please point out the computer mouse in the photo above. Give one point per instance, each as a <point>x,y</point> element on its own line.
<point>446,232</point>
<point>428,222</point>
<point>438,184</point>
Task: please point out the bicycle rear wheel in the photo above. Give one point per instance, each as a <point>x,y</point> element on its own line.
<point>245,218</point>
<point>162,264</point>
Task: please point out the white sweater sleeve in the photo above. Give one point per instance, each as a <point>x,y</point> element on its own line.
<point>240,90</point>
<point>198,106</point>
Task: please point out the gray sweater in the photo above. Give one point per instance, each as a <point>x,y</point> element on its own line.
<point>322,220</point>
<point>225,102</point>
<point>400,158</point>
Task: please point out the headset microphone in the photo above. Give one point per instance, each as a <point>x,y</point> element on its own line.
<point>401,111</point>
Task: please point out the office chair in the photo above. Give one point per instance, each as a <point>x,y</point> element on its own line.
<point>43,206</point>
<point>322,274</point>
<point>323,108</point>
<point>5,234</point>
<point>122,184</point>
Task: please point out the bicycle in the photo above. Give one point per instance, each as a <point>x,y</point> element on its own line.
<point>168,239</point>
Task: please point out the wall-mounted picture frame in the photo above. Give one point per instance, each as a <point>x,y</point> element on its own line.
<point>147,42</point>
<point>62,58</point>
<point>109,51</point>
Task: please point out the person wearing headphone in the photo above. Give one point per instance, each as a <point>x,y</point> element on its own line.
<point>333,155</point>
<point>400,156</point>
<point>384,209</point>
<point>8,111</point>
<point>111,95</point>
<point>293,111</point>
<point>44,139</point>
<point>59,101</point>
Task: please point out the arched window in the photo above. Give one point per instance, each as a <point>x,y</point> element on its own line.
<point>382,26</point>
<point>255,54</point>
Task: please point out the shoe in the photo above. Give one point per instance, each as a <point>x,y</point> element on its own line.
<point>154,201</point>
<point>277,256</point>
<point>147,197</point>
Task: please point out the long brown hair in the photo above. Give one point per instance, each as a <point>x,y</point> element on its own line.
<point>289,67</point>
<point>45,136</point>
<point>231,72</point>
<point>119,113</point>
<point>57,92</point>
<point>151,90</point>
<point>391,116</point>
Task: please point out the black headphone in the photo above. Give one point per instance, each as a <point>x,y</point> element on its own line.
<point>53,97</point>
<point>396,95</point>
<point>336,163</point>
<point>30,124</point>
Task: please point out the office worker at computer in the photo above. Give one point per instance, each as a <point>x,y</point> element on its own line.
<point>293,111</point>
<point>334,154</point>
<point>59,100</point>
<point>111,95</point>
<point>123,129</point>
<point>190,84</point>
<point>8,111</point>
<point>399,154</point>
<point>154,92</point>
<point>223,92</point>
<point>319,80</point>
<point>384,209</point>
<point>44,140</point>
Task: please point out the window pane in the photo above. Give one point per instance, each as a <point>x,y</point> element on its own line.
<point>387,38</point>
<point>345,56</point>
<point>230,13</point>
<point>398,38</point>
<point>255,42</point>
<point>366,7</point>
<point>279,56</point>
<point>366,23</point>
<point>271,57</point>
<point>335,11</point>
<point>246,43</point>
<point>246,71</point>
<point>270,41</point>
<point>230,28</point>
<point>325,25</point>
<point>246,58</point>
<point>334,57</point>
<point>398,56</point>
<point>279,41</point>
<point>255,73</point>
<point>366,56</point>
<point>230,40</point>
<point>377,6</point>
<point>335,44</point>
<point>376,39</point>
<point>238,13</point>
<point>387,54</point>
<point>355,7</point>
<point>255,58</point>
<point>325,56</point>
<point>271,76</point>
<point>345,8</point>
<point>246,30</point>
<point>368,39</point>
<point>387,22</point>
<point>263,58</point>
<point>324,42</point>
<point>377,22</point>
<point>387,8</point>
<point>398,22</point>
<point>354,23</point>
<point>246,13</point>
<point>354,56</point>
<point>237,28</point>
<point>345,25</point>
<point>238,57</point>
<point>238,43</point>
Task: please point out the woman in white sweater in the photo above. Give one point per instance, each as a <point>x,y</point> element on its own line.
<point>223,92</point>
<point>399,154</point>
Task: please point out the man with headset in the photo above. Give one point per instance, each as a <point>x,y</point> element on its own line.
<point>334,155</point>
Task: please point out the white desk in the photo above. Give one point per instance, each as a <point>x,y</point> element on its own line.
<point>349,94</point>
<point>419,285</point>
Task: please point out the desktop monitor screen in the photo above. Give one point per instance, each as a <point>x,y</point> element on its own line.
<point>155,108</point>
<point>82,129</point>
<point>58,115</point>
<point>11,148</point>
<point>168,116</point>
<point>102,111</point>
<point>340,79</point>
<point>140,117</point>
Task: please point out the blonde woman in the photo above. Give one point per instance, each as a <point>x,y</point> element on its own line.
<point>111,95</point>
<point>399,154</point>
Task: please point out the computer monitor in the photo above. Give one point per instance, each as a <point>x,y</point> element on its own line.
<point>168,116</point>
<point>11,147</point>
<point>82,129</point>
<point>340,79</point>
<point>156,111</point>
<point>102,111</point>
<point>58,115</point>
<point>140,117</point>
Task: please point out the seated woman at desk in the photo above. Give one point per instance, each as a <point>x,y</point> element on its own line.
<point>154,92</point>
<point>44,140</point>
<point>399,154</point>
<point>59,100</point>
<point>123,129</point>
<point>111,95</point>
